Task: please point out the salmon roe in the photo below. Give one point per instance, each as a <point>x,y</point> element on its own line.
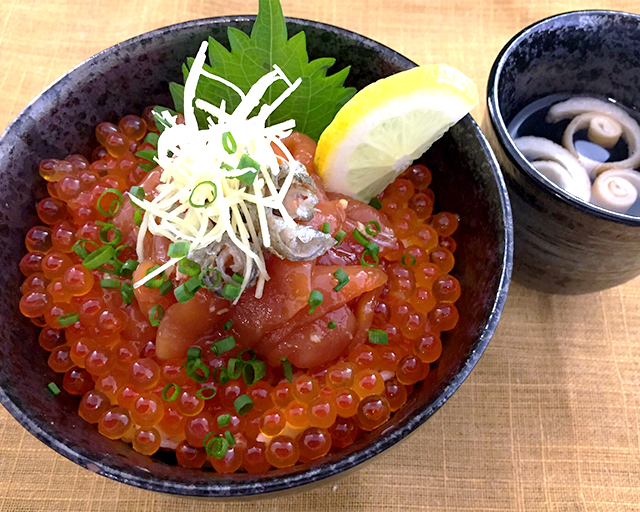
<point>102,340</point>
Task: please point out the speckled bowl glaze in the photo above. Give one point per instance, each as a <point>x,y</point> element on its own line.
<point>136,73</point>
<point>564,245</point>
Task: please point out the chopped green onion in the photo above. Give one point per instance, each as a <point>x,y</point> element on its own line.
<point>243,404</point>
<point>80,247</point>
<point>137,192</point>
<point>376,203</point>
<point>147,167</point>
<point>229,143</point>
<point>129,267</point>
<point>372,248</point>
<point>137,216</point>
<point>220,375</point>
<point>315,299</point>
<point>408,260</point>
<point>176,392</point>
<point>193,285</point>
<point>182,294</point>
<point>114,206</point>
<point>287,369</point>
<point>121,248</point>
<point>112,267</point>
<point>109,283</point>
<point>223,345</point>
<point>53,388</point>
<point>166,288</point>
<point>104,233</point>
<point>224,420</point>
<point>342,278</point>
<point>206,280</point>
<point>226,167</point>
<point>192,368</point>
<point>340,236</point>
<point>188,267</point>
<point>217,447</point>
<point>369,230</point>
<point>156,313</point>
<point>68,319</point>
<point>155,282</point>
<point>378,337</point>
<point>152,138</point>
<point>332,325</point>
<point>232,371</point>
<point>365,263</point>
<point>178,249</point>
<point>127,293</point>
<point>360,238</point>
<point>201,393</point>
<point>253,371</point>
<point>207,437</point>
<point>252,355</point>
<point>227,325</point>
<point>326,228</point>
<point>230,291</point>
<point>238,278</point>
<point>229,437</point>
<point>99,257</point>
<point>190,364</point>
<point>194,352</point>
<point>214,193</point>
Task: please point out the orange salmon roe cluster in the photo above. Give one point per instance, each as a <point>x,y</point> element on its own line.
<point>105,347</point>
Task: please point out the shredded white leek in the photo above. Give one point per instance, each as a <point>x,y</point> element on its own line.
<point>190,156</point>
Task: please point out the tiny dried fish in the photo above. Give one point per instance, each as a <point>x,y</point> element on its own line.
<point>225,257</point>
<point>299,243</point>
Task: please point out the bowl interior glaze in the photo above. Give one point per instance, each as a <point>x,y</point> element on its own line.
<point>126,78</point>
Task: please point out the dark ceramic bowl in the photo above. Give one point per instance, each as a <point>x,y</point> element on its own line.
<point>136,73</point>
<point>562,244</point>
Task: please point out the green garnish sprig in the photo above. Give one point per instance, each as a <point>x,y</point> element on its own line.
<point>251,57</point>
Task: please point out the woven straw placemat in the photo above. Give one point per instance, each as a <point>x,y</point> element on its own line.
<point>549,420</point>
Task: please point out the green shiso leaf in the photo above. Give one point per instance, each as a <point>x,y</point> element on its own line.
<point>313,104</point>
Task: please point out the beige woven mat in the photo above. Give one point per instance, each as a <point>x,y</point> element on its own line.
<point>550,418</point>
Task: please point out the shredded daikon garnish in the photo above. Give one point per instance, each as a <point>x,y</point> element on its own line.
<point>215,180</point>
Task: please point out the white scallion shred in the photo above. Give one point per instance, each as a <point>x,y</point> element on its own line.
<point>190,156</point>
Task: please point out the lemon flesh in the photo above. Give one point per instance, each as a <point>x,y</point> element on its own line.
<point>387,125</point>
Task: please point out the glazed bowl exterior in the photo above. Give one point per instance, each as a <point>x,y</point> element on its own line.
<point>562,244</point>
<point>136,73</point>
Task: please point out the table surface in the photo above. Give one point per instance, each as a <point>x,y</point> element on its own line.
<point>550,417</point>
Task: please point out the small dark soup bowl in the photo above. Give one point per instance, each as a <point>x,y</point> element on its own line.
<point>124,79</point>
<point>562,244</point>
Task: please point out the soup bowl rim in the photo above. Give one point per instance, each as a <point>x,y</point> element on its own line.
<point>519,161</point>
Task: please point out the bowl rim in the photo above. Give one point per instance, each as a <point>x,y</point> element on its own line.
<point>506,142</point>
<point>259,485</point>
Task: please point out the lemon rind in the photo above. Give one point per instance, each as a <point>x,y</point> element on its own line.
<point>439,87</point>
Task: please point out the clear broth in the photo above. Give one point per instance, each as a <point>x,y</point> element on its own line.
<point>531,121</point>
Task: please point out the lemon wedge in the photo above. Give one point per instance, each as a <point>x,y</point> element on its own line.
<point>387,125</point>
